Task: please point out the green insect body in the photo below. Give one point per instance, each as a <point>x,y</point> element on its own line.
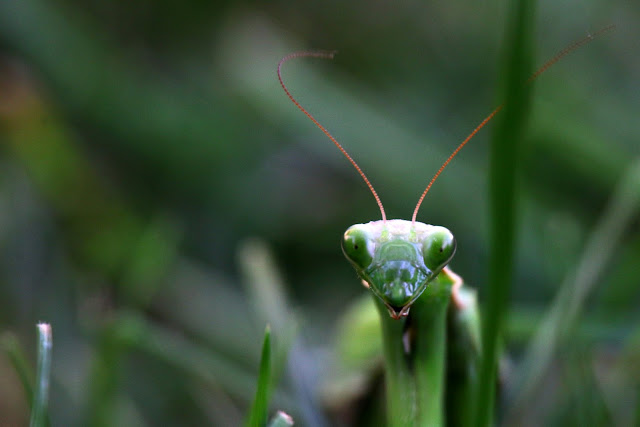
<point>396,259</point>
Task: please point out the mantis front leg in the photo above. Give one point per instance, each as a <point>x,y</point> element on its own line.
<point>431,355</point>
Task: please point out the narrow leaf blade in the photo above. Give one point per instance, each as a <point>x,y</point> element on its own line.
<point>258,414</point>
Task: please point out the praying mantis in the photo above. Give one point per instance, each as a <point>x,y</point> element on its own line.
<point>403,263</point>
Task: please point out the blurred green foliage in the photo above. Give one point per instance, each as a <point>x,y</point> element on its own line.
<point>144,142</point>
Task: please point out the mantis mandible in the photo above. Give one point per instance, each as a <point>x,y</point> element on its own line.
<point>397,259</point>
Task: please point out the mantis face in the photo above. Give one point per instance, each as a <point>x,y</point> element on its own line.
<point>396,259</point>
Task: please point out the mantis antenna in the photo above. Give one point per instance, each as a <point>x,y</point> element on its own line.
<point>567,50</point>
<point>326,55</point>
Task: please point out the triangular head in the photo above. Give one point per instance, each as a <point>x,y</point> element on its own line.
<point>397,259</point>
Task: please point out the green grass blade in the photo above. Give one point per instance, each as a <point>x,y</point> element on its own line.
<point>502,188</point>
<point>41,397</point>
<point>281,419</point>
<point>258,414</point>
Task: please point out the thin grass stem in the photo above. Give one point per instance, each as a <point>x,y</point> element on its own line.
<point>502,188</point>
<point>41,396</point>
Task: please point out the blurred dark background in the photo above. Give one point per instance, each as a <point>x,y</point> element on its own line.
<point>153,175</point>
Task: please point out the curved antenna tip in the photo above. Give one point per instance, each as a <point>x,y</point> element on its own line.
<point>326,55</point>
<point>564,52</point>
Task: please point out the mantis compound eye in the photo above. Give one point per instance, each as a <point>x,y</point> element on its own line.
<point>438,248</point>
<point>358,247</point>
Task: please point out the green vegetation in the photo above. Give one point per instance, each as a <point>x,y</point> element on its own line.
<point>162,202</point>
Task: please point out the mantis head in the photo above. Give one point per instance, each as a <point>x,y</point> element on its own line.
<point>396,259</point>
